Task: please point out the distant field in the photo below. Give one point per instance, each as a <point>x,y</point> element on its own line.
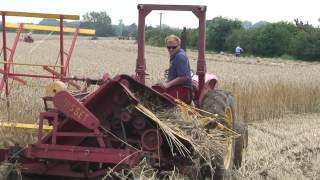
<point>264,90</point>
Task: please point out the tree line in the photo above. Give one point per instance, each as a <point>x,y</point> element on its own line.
<point>100,21</point>
<point>296,40</point>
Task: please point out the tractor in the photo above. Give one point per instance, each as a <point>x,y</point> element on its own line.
<point>28,39</point>
<point>109,128</point>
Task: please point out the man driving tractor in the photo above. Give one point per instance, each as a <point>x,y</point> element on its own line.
<point>179,74</point>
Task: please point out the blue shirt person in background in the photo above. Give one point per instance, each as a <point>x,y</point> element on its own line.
<point>238,51</point>
<point>179,73</point>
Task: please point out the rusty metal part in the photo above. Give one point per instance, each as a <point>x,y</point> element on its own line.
<point>72,108</point>
<point>125,116</point>
<point>120,98</point>
<point>139,122</point>
<point>151,140</point>
<point>55,87</point>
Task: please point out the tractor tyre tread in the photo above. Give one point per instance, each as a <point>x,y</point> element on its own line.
<point>216,101</point>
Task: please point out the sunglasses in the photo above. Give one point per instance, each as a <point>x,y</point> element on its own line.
<point>172,47</point>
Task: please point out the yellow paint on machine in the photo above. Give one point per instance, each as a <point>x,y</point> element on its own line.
<point>39,15</point>
<point>51,28</point>
<point>23,125</point>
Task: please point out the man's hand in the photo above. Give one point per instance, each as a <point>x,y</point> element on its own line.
<point>177,81</point>
<point>165,85</point>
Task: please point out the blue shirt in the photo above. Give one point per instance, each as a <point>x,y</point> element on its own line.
<point>238,50</point>
<point>179,66</point>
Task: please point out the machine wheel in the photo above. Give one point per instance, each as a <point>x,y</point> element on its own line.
<point>221,102</point>
<point>240,144</point>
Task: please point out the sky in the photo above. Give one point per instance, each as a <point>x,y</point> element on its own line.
<point>250,10</point>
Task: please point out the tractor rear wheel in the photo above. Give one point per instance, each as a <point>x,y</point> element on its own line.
<point>240,144</point>
<point>221,102</point>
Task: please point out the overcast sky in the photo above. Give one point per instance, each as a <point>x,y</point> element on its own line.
<point>251,10</point>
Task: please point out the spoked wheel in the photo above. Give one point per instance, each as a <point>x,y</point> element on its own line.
<point>220,102</point>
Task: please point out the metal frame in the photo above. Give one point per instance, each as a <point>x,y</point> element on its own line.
<point>63,142</point>
<point>64,63</point>
<point>199,11</point>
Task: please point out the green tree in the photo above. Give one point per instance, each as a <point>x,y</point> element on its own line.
<point>260,24</point>
<point>100,21</point>
<point>246,38</point>
<point>54,22</point>
<point>119,28</point>
<point>302,25</point>
<point>274,39</point>
<point>128,31</point>
<point>49,22</point>
<point>133,30</point>
<point>156,36</point>
<point>218,29</point>
<point>192,38</point>
<point>306,45</point>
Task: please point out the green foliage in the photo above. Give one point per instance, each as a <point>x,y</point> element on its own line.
<point>250,25</point>
<point>274,39</point>
<point>245,38</point>
<point>49,22</point>
<point>306,45</point>
<point>260,24</point>
<point>100,21</point>
<point>303,26</point>
<point>218,29</point>
<point>156,36</point>
<point>126,31</point>
<point>192,35</point>
<point>133,30</point>
<point>286,40</point>
<point>54,22</point>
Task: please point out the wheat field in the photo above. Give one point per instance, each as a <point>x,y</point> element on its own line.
<point>279,99</point>
<point>263,88</point>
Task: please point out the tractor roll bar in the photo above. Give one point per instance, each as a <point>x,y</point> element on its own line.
<point>198,10</point>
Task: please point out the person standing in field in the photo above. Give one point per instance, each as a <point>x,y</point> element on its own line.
<point>183,38</point>
<point>179,82</point>
<point>238,51</point>
<point>29,35</point>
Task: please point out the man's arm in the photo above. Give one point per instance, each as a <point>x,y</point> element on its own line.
<point>183,70</point>
<point>177,81</point>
